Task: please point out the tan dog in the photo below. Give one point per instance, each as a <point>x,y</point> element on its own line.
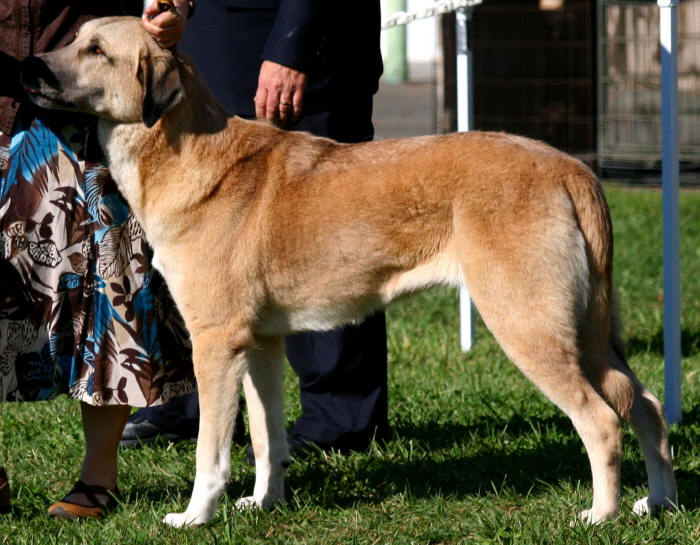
<point>261,233</point>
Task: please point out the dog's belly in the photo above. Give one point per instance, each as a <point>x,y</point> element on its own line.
<point>314,317</point>
<point>332,311</point>
<point>442,270</point>
<point>285,323</point>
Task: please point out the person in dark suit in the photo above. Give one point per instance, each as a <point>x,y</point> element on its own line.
<point>306,65</point>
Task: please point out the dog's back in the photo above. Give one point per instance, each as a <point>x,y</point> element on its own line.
<point>398,216</point>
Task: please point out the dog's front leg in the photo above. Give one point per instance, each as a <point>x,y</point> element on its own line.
<point>265,400</point>
<point>219,368</point>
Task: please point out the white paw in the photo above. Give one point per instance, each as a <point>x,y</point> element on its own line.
<point>178,520</point>
<point>646,507</point>
<point>247,503</point>
<point>584,517</point>
<point>588,517</point>
<point>642,507</point>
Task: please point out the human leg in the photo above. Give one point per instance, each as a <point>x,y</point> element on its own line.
<point>102,428</point>
<point>170,422</point>
<point>343,384</point>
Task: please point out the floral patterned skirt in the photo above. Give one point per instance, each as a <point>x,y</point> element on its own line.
<point>81,310</point>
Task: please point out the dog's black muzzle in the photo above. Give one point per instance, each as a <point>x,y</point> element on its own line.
<point>37,77</point>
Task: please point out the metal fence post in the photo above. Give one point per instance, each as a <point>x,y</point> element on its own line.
<point>668,14</point>
<point>465,122</point>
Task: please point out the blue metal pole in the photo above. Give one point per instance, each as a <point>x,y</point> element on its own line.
<point>668,12</point>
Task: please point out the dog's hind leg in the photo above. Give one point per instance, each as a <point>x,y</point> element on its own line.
<point>546,351</point>
<point>649,425</point>
<point>648,421</point>
<point>557,374</point>
<point>533,303</point>
<point>265,400</point>
<point>219,366</point>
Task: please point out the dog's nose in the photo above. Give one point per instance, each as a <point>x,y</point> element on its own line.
<point>35,73</point>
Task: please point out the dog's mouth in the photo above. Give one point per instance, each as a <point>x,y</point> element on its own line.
<point>48,100</point>
<point>30,90</point>
<point>36,95</point>
<point>40,84</point>
<point>42,98</point>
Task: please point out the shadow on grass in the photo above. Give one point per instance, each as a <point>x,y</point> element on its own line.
<point>524,462</point>
<point>158,495</point>
<point>690,343</point>
<point>533,469</point>
<point>685,439</point>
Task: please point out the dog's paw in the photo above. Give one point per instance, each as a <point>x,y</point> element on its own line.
<point>647,507</point>
<point>642,507</point>
<point>249,502</point>
<point>590,517</point>
<point>178,520</point>
<point>584,517</point>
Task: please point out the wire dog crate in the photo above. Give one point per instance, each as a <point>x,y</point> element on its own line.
<point>629,84</point>
<point>534,71</point>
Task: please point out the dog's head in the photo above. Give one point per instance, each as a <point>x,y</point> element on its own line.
<point>113,69</point>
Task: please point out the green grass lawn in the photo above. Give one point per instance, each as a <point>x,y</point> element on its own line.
<point>477,455</point>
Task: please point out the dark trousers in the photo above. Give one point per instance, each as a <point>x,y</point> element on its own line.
<point>342,373</point>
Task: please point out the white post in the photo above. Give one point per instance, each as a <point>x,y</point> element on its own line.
<point>465,122</point>
<point>668,11</point>
<point>395,60</point>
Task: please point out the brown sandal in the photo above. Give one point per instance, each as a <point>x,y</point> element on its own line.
<point>5,498</point>
<point>70,510</point>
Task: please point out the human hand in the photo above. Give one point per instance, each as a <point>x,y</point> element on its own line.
<point>166,27</point>
<point>280,93</point>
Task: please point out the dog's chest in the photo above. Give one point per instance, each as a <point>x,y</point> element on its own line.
<point>121,144</point>
<point>126,175</point>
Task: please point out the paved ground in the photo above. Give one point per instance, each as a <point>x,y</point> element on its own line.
<point>405,109</point>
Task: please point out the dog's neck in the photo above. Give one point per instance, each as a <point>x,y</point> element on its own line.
<point>136,153</point>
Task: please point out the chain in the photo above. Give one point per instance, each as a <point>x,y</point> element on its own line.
<point>439,7</point>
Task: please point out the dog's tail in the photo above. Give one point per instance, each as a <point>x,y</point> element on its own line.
<point>602,350</point>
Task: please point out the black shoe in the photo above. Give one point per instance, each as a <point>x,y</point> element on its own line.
<point>139,431</point>
<point>299,447</point>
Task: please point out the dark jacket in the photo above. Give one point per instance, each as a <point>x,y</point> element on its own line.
<point>335,43</point>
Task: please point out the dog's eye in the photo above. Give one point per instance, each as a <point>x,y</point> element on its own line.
<point>96,50</point>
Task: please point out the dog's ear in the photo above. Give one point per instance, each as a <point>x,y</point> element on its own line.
<point>161,85</point>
